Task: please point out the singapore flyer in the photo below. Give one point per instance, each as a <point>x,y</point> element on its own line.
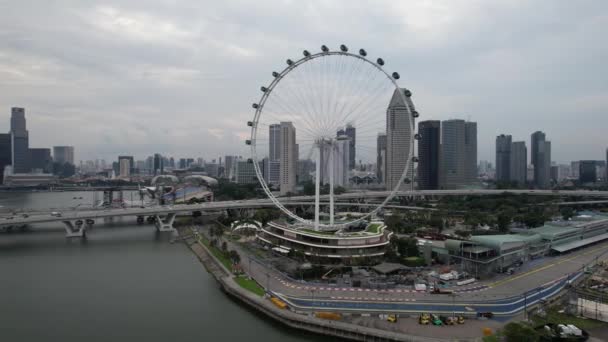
<point>328,124</point>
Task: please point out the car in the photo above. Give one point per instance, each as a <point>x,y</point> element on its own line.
<point>25,215</point>
<point>8,218</point>
<point>56,214</point>
<point>424,319</point>
<point>392,318</point>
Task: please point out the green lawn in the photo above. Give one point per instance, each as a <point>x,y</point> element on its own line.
<point>250,285</point>
<point>373,228</point>
<point>217,253</point>
<point>562,318</point>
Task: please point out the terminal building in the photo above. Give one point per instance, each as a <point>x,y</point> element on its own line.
<point>337,246</point>
<point>483,255</point>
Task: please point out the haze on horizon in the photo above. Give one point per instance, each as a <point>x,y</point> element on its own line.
<point>179,77</point>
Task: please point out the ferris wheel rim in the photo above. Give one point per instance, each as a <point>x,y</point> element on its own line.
<point>267,91</point>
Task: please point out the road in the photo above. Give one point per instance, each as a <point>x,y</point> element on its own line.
<point>505,295</point>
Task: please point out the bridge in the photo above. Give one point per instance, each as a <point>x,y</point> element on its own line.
<point>76,221</point>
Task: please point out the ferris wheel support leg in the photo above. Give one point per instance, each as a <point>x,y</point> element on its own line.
<point>317,187</point>
<point>331,186</point>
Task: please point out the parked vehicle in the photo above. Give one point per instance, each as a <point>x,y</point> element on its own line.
<point>436,320</point>
<point>424,319</point>
<point>392,318</point>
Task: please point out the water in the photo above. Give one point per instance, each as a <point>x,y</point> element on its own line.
<point>125,283</point>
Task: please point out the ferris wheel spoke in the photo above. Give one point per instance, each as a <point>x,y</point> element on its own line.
<point>357,96</point>
<point>363,103</point>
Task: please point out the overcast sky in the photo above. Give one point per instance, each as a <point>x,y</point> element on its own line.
<point>179,77</point>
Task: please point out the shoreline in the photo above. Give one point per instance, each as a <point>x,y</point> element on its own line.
<point>343,330</point>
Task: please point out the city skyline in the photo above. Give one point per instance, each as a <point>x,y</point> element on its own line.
<point>137,81</point>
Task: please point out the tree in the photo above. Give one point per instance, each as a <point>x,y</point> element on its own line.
<point>234,256</point>
<point>503,220</point>
<point>519,332</point>
<point>567,213</point>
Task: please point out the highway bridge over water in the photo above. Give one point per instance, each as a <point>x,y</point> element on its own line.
<point>75,220</point>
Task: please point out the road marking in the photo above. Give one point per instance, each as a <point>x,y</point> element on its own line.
<point>508,280</point>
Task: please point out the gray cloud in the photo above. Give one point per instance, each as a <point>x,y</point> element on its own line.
<point>178,77</point>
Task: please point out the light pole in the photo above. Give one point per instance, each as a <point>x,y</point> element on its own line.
<point>453,305</point>
<point>267,282</point>
<point>526,306</point>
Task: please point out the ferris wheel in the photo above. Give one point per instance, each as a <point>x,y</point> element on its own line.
<point>331,109</point>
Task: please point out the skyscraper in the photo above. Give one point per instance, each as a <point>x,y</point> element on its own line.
<point>6,152</point>
<point>230,167</point>
<point>428,154</point>
<point>587,171</point>
<point>63,154</point>
<point>288,161</point>
<point>453,154</point>
<point>274,142</point>
<point>351,133</point>
<point>20,141</point>
<point>340,159</point>
<point>519,163</point>
<point>381,157</point>
<point>503,158</point>
<point>470,152</point>
<point>158,165</point>
<point>124,167</point>
<point>541,159</point>
<point>41,160</point>
<point>131,163</point>
<point>398,134</point>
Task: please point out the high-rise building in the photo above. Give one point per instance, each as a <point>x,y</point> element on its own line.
<point>305,169</point>
<point>288,161</point>
<point>41,160</point>
<point>158,164</point>
<point>587,171</point>
<point>339,152</point>
<point>351,132</point>
<point>429,147</point>
<point>542,169</point>
<point>6,153</point>
<point>131,163</point>
<point>245,172</point>
<point>503,158</point>
<point>230,167</point>
<point>63,154</point>
<point>470,152</point>
<point>398,135</point>
<point>272,171</point>
<point>274,142</point>
<point>381,157</point>
<point>124,167</point>
<point>19,141</point>
<point>541,159</point>
<point>453,155</point>
<point>519,163</point>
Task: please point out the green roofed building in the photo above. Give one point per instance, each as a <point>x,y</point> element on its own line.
<point>482,255</point>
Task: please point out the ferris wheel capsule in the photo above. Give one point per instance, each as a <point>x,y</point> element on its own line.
<point>289,62</point>
<point>275,74</point>
<point>415,114</point>
<point>343,48</point>
<point>396,75</point>
<point>408,93</point>
<point>324,48</point>
<point>306,53</point>
<point>362,52</point>
<point>380,61</point>
<point>255,106</point>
